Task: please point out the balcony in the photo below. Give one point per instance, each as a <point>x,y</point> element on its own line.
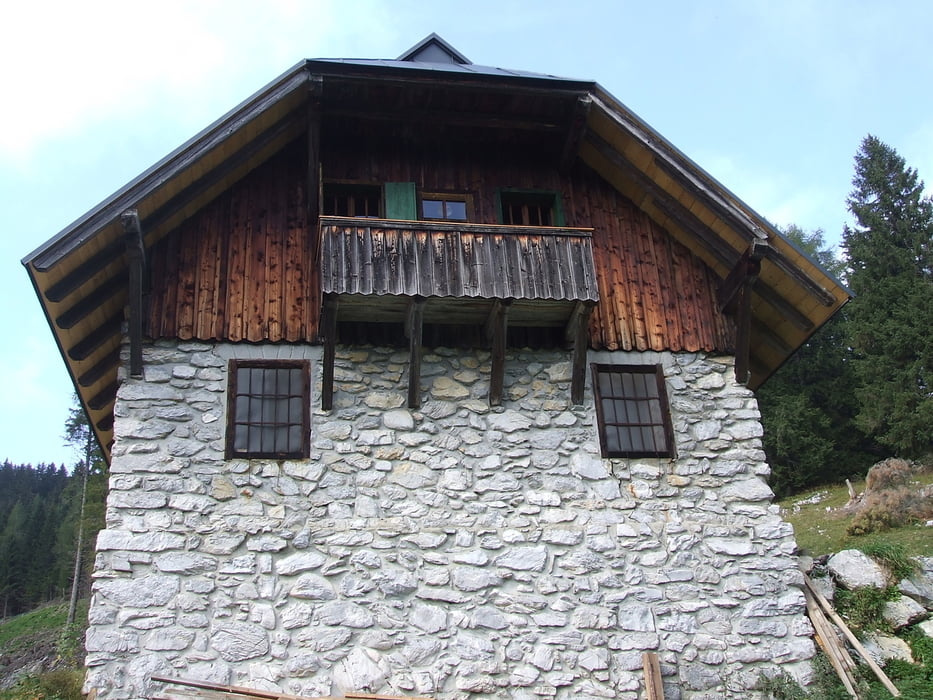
<point>475,279</point>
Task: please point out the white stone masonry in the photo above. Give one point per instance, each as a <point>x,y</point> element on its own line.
<point>455,551</point>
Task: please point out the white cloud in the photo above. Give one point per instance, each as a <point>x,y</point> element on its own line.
<point>67,65</point>
<point>782,198</point>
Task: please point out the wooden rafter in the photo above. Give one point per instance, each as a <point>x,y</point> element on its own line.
<point>705,237</point>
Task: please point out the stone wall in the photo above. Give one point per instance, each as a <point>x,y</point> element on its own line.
<point>449,551</point>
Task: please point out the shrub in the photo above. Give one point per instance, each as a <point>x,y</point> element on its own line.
<point>888,474</point>
<point>890,501</point>
<point>54,685</point>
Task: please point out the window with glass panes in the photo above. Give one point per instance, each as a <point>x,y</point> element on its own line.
<point>445,207</point>
<point>268,409</point>
<point>632,411</point>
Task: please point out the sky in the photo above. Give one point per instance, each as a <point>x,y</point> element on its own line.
<point>771,98</point>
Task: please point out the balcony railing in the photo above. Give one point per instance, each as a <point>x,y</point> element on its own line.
<point>544,272</point>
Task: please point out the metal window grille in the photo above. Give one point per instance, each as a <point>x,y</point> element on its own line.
<point>268,409</point>
<point>632,411</point>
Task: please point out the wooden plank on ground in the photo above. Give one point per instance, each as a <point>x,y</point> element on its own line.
<point>654,689</point>
<point>215,689</point>
<point>853,640</point>
<point>838,657</point>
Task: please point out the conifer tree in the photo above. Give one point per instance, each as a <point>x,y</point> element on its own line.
<point>890,270</point>
<point>78,433</point>
<point>808,405</point>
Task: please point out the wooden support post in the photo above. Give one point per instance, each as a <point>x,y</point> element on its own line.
<point>735,295</point>
<point>575,132</point>
<point>414,320</point>
<point>577,333</point>
<point>329,333</point>
<point>315,89</point>
<point>497,326</point>
<point>136,262</point>
<point>743,326</point>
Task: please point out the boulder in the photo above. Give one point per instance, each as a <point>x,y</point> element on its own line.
<point>853,569</point>
<point>903,612</point>
<point>919,585</point>
<point>884,647</point>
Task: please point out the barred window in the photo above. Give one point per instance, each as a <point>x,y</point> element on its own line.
<point>527,208</point>
<point>268,409</point>
<point>632,411</point>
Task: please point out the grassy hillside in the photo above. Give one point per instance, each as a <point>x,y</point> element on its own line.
<point>39,658</point>
<point>820,521</point>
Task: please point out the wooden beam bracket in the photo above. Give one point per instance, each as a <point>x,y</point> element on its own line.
<point>745,271</point>
<point>414,322</point>
<point>329,336</point>
<point>577,332</point>
<point>735,296</point>
<point>575,132</point>
<point>497,327</point>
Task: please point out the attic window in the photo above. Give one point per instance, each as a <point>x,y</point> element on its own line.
<point>632,411</point>
<point>352,200</point>
<point>268,411</point>
<point>445,207</point>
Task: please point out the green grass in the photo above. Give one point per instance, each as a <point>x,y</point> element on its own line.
<point>17,632</point>
<point>820,528</point>
<point>37,634</point>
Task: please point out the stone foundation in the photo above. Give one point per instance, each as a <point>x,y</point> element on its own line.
<point>453,551</point>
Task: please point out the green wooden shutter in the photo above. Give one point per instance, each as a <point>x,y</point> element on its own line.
<point>400,201</point>
<point>558,210</point>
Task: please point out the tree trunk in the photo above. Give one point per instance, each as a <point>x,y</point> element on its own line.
<point>75,582</point>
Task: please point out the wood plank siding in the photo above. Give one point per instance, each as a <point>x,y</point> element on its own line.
<point>240,269</point>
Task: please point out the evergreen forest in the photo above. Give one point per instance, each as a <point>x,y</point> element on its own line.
<point>39,517</point>
<point>861,389</point>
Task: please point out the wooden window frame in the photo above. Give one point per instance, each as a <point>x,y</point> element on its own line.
<point>446,197</point>
<point>659,424</point>
<point>354,189</point>
<point>300,451</point>
<point>531,196</point>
